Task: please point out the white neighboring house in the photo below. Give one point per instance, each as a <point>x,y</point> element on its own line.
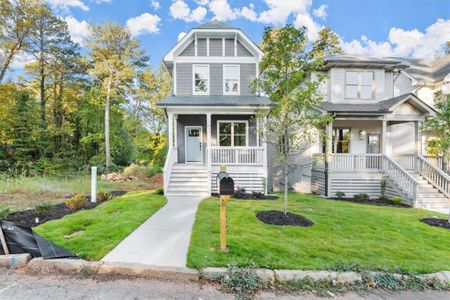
<point>376,132</point>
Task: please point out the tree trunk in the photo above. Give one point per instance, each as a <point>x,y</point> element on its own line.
<point>6,64</point>
<point>286,170</point>
<point>107,145</point>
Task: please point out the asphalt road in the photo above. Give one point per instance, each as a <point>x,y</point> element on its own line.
<point>18,286</point>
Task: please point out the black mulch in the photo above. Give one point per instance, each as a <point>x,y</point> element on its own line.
<point>443,223</point>
<point>28,217</point>
<point>376,202</point>
<point>276,217</point>
<point>254,196</point>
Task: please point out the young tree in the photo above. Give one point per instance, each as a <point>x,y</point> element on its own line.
<point>288,65</point>
<point>16,24</point>
<point>115,56</point>
<point>328,43</point>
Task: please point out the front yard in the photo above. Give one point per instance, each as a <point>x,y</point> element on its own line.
<point>93,233</point>
<point>344,236</point>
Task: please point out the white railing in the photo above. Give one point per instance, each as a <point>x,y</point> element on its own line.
<point>439,162</point>
<point>400,177</point>
<point>237,155</point>
<point>406,161</point>
<point>171,159</point>
<point>438,178</point>
<point>355,162</point>
<point>318,162</point>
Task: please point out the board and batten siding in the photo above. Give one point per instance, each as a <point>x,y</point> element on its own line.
<point>215,48</point>
<point>185,79</point>
<point>337,85</point>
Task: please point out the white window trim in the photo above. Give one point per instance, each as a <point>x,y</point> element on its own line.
<point>358,97</point>
<point>193,79</point>
<point>239,79</point>
<point>232,132</point>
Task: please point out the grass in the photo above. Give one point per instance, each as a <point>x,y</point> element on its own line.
<point>93,233</point>
<point>344,236</point>
<point>22,192</point>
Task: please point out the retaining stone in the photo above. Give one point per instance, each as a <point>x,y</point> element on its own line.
<point>340,277</point>
<point>146,271</point>
<point>66,266</point>
<point>443,276</point>
<point>14,261</point>
<point>265,275</point>
<point>212,273</point>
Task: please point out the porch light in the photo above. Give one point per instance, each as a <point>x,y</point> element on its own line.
<point>362,135</point>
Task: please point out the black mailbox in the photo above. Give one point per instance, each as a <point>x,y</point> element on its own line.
<point>225,184</point>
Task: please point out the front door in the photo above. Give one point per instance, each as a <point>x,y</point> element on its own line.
<point>193,143</point>
<point>373,143</point>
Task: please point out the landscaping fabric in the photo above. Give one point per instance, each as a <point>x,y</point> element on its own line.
<point>21,239</point>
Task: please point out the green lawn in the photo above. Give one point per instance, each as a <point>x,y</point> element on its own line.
<point>93,233</point>
<point>344,235</point>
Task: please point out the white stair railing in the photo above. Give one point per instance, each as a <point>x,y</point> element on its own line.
<point>400,177</point>
<point>435,176</point>
<point>171,159</point>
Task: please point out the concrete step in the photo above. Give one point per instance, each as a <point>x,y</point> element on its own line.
<point>188,179</point>
<point>187,194</point>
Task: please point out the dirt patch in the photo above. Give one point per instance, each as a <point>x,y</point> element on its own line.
<point>276,217</point>
<point>376,202</point>
<point>73,234</point>
<point>157,180</point>
<point>443,223</point>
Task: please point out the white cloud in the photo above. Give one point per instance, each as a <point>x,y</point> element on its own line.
<point>155,4</point>
<point>249,12</point>
<point>222,10</point>
<point>180,10</point>
<point>321,12</point>
<point>79,30</point>
<point>145,23</point>
<point>280,10</point>
<point>400,42</point>
<point>101,1</point>
<point>181,35</point>
<point>66,4</point>
<point>305,19</point>
<point>202,2</point>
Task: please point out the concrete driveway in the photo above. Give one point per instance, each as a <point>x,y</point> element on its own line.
<point>163,240</point>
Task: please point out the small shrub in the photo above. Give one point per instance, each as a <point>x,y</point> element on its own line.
<point>242,282</point>
<point>4,212</point>
<point>160,191</point>
<point>361,197</point>
<point>43,209</point>
<point>340,195</point>
<point>397,199</point>
<point>77,202</point>
<point>103,196</point>
<point>384,198</point>
<point>383,184</point>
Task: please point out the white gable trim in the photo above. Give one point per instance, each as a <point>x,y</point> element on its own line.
<point>425,107</point>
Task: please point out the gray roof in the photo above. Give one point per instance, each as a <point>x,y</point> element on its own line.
<point>378,107</point>
<point>363,61</point>
<point>215,24</point>
<point>215,101</point>
<point>427,70</point>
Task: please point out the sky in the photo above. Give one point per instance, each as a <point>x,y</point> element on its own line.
<point>412,28</point>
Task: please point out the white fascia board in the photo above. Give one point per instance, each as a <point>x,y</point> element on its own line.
<point>201,110</point>
<point>217,59</point>
<point>417,101</point>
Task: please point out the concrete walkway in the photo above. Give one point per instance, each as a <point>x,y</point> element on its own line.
<point>163,240</point>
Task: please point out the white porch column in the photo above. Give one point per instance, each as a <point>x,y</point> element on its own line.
<point>208,148</point>
<point>170,129</point>
<point>384,137</point>
<point>264,144</point>
<point>328,156</point>
<point>418,137</point>
<point>175,130</point>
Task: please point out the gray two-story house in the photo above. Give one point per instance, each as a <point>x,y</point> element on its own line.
<point>212,112</point>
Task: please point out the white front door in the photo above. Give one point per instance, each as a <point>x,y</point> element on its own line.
<point>193,143</point>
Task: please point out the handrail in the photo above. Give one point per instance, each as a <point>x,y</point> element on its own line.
<point>171,159</point>
<point>435,176</point>
<point>439,161</point>
<point>400,177</point>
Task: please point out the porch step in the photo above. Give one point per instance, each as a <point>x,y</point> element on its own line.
<point>189,180</point>
<point>428,197</point>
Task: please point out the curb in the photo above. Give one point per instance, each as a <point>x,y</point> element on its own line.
<point>75,266</point>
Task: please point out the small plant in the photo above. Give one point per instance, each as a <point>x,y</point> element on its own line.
<point>383,184</point>
<point>160,191</point>
<point>4,212</point>
<point>384,198</point>
<point>361,197</point>
<point>43,209</point>
<point>103,196</point>
<point>243,282</point>
<point>77,202</point>
<point>340,195</point>
<point>397,199</point>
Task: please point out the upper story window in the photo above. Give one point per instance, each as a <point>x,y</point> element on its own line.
<point>200,79</point>
<point>359,85</point>
<point>231,80</point>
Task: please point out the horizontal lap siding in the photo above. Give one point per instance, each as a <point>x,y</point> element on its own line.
<point>242,51</point>
<point>229,47</point>
<point>215,47</point>
<point>318,182</point>
<point>248,73</point>
<point>216,75</point>
<point>201,47</point>
<point>189,50</point>
<point>184,79</point>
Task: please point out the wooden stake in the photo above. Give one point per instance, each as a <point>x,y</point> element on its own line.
<point>223,223</point>
<point>3,240</point>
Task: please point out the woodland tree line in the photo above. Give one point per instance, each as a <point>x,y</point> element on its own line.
<point>68,111</point>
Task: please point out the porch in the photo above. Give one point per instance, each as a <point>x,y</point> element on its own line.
<point>199,143</point>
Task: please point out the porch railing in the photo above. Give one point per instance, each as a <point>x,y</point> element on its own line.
<point>439,162</point>
<point>438,178</point>
<point>355,162</point>
<point>406,161</point>
<point>237,155</point>
<point>400,177</point>
<point>171,159</point>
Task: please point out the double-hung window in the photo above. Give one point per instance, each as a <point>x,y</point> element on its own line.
<point>360,85</point>
<point>231,80</point>
<point>232,133</point>
<point>200,79</point>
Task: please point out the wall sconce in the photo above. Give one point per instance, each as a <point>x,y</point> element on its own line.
<point>362,135</point>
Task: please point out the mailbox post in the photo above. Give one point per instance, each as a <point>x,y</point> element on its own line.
<point>225,185</point>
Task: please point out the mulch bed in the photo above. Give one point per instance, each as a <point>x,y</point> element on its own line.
<point>28,217</point>
<point>276,217</point>
<point>376,202</point>
<point>443,223</point>
<point>254,196</point>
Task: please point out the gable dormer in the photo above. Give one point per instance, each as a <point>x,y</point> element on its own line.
<point>213,59</point>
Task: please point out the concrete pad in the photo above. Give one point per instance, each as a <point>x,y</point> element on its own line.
<point>163,240</point>
<point>14,261</point>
